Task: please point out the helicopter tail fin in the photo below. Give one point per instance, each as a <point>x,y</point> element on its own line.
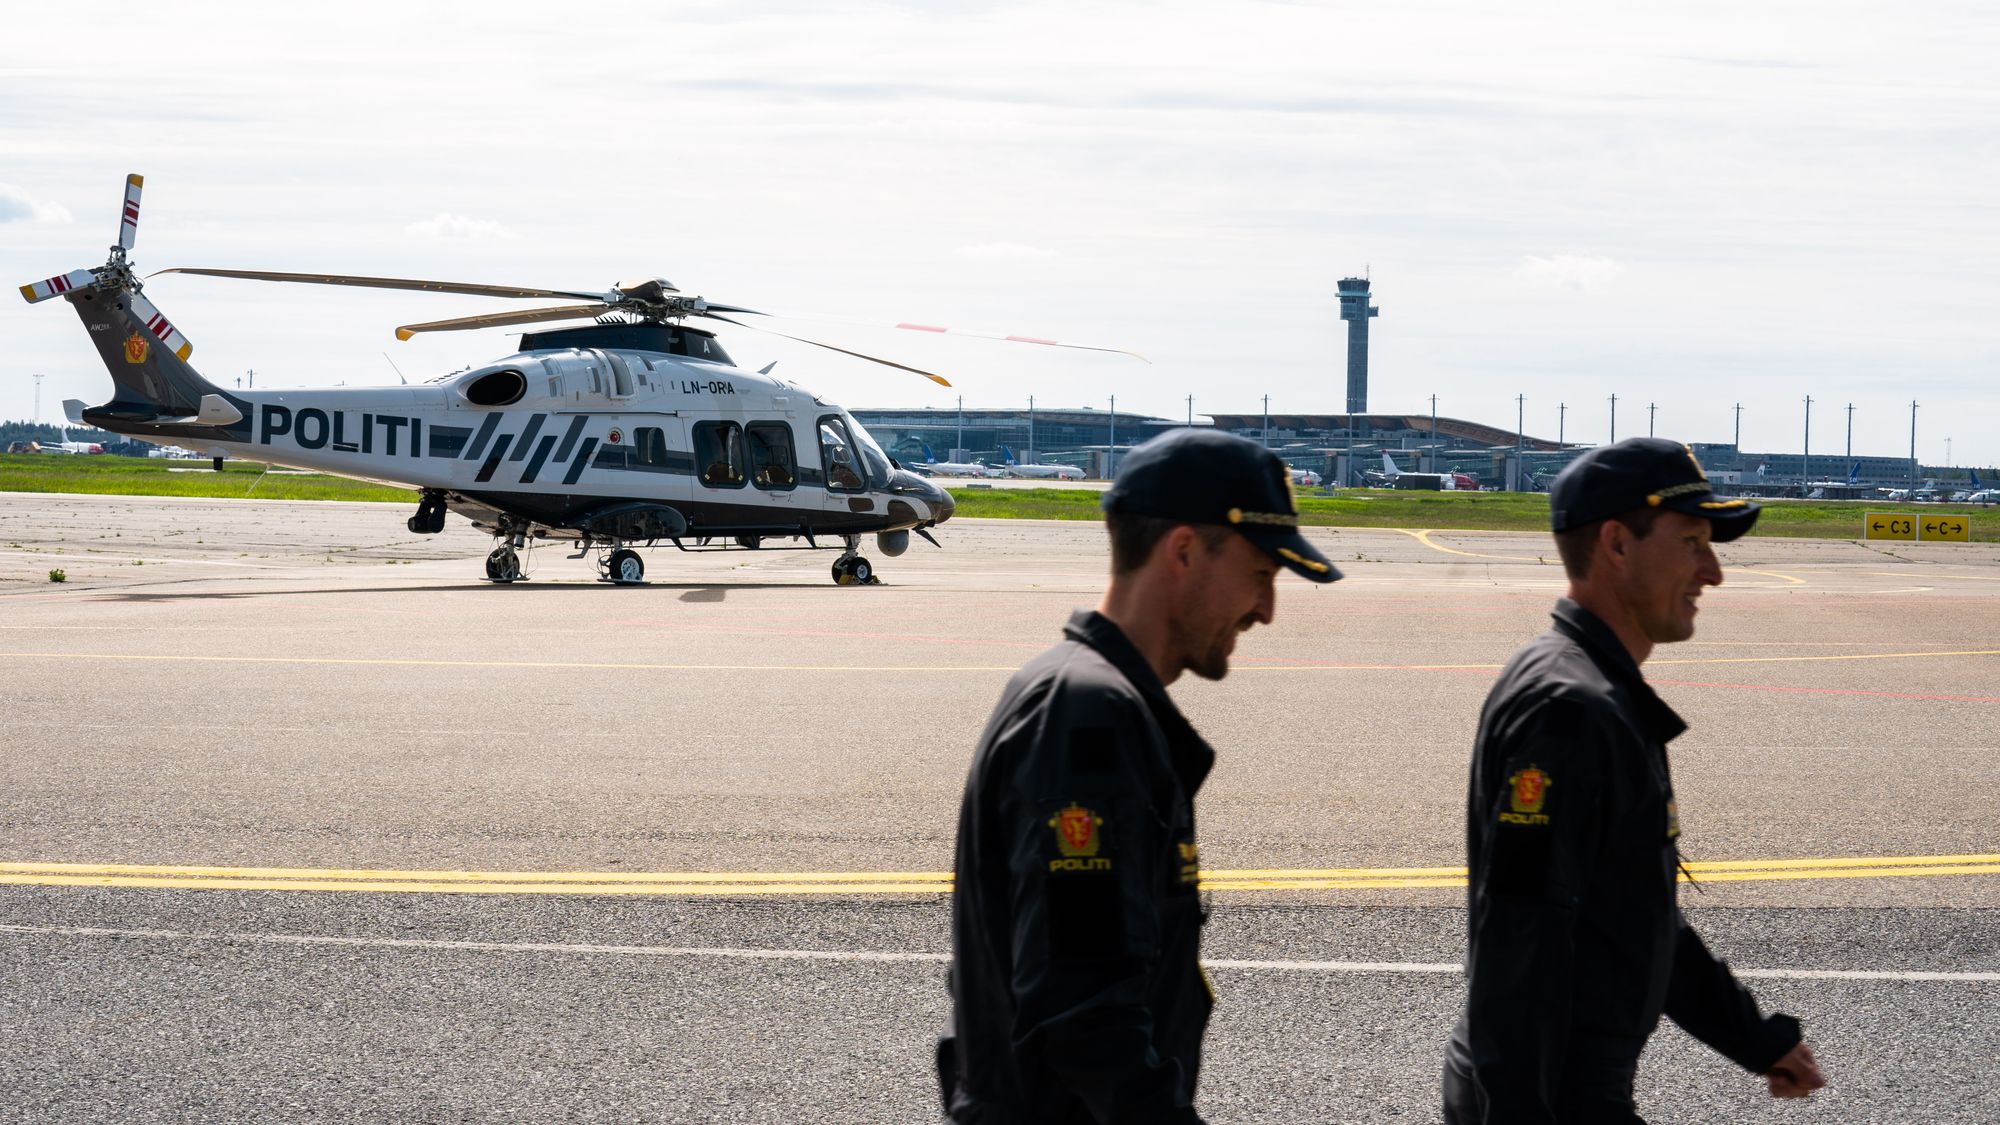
<point>145,354</point>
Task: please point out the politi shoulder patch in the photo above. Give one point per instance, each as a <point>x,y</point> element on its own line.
<point>1527,789</point>
<point>1078,833</point>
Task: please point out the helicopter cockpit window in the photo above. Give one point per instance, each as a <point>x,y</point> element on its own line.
<point>718,454</point>
<point>772,461</point>
<point>871,454</point>
<point>836,452</point>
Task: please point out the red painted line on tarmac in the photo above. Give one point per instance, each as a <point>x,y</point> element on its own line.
<point>1831,691</point>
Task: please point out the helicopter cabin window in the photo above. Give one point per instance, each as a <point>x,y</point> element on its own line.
<point>649,446</point>
<point>718,452</point>
<point>772,461</point>
<point>836,452</point>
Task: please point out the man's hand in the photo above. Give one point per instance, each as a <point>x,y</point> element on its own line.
<point>1796,1075</point>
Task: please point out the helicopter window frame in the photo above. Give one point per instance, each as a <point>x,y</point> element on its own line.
<point>835,426</point>
<point>719,446</point>
<point>649,446</point>
<point>774,458</point>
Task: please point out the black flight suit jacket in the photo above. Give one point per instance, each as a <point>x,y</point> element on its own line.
<point>1077,995</point>
<point>1577,942</point>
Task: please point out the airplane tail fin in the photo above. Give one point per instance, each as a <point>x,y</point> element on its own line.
<point>1976,486</point>
<point>145,354</point>
<point>1389,465</point>
<point>1854,473</point>
<point>929,457</point>
<point>1007,455</point>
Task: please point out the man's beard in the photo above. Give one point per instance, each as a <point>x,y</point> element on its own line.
<point>1210,661</point>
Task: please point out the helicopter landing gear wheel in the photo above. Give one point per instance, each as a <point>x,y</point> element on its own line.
<point>855,571</point>
<point>625,567</point>
<point>503,565</point>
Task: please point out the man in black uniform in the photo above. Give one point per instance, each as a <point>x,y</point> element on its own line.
<point>1577,943</point>
<point>1077,995</point>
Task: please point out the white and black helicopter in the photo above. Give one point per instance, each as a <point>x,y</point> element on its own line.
<point>628,431</point>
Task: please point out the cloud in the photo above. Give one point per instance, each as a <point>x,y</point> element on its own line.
<point>448,225</point>
<point>1570,271</point>
<point>17,206</point>
<point>1004,252</point>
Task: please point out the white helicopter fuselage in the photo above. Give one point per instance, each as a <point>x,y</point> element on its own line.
<point>550,433</point>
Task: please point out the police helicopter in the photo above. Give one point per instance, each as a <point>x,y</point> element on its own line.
<point>626,431</point>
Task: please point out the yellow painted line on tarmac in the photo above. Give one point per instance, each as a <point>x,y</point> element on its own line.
<point>1836,656</point>
<point>1947,577</point>
<point>540,665</point>
<point>790,883</point>
<point>1424,537</point>
<point>1793,579</point>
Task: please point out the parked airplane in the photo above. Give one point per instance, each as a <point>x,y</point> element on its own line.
<point>1393,477</point>
<point>1039,472</point>
<point>68,446</point>
<point>931,466</point>
<point>631,430</point>
<point>1305,478</point>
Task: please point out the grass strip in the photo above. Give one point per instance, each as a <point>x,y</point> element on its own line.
<point>1475,511</point>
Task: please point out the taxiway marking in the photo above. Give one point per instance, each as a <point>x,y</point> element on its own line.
<point>1424,537</point>
<point>877,956</point>
<point>849,669</point>
<point>877,882</point>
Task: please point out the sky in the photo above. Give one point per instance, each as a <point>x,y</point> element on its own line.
<point>1690,206</point>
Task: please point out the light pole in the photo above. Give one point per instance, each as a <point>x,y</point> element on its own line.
<point>1651,409</point>
<point>1738,440</point>
<point>1913,443</point>
<point>1190,410</point>
<point>1031,429</point>
<point>1562,418</point>
<point>37,419</point>
<point>1805,463</point>
<point>1111,455</point>
<point>960,450</point>
<point>1614,419</point>
<point>1267,421</point>
<point>1850,431</point>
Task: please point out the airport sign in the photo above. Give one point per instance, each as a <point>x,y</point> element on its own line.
<point>1950,529</point>
<point>1910,527</point>
<point>1889,525</point>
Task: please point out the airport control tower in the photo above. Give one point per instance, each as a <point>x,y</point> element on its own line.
<point>1355,310</point>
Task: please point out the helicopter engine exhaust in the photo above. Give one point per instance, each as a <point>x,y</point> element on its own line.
<point>892,543</point>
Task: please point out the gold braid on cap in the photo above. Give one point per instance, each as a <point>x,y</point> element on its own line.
<point>1275,519</point>
<point>1665,494</point>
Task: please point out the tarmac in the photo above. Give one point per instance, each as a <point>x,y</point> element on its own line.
<point>300,818</point>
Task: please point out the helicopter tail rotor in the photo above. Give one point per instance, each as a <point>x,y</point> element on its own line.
<point>128,222</point>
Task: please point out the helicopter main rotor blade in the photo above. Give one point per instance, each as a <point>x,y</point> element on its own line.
<point>938,379</point>
<point>496,320</point>
<point>1021,340</point>
<point>395,283</point>
<point>909,327</point>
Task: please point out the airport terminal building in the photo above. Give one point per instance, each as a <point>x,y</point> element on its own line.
<point>1344,448</point>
